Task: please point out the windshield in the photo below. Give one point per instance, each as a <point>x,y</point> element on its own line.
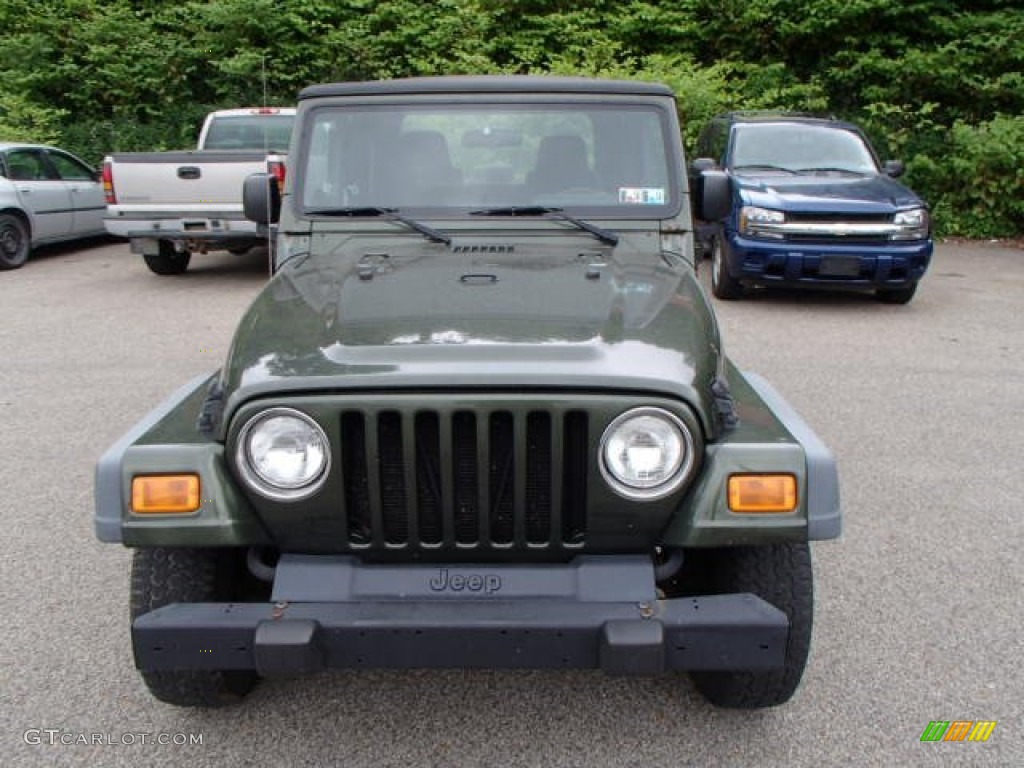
<point>250,132</point>
<point>796,148</point>
<point>595,159</point>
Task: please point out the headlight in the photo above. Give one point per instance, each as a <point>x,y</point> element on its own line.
<point>646,453</point>
<point>283,454</point>
<point>760,221</point>
<point>912,224</point>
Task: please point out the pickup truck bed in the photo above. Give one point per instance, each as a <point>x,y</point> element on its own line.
<point>190,194</point>
<point>173,204</point>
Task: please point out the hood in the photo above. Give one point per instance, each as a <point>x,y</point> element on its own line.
<point>825,193</point>
<point>353,315</point>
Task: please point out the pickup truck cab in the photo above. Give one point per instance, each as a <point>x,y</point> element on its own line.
<point>812,206</point>
<point>480,416</point>
<point>173,204</point>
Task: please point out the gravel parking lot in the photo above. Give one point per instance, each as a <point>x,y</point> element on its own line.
<point>919,609</point>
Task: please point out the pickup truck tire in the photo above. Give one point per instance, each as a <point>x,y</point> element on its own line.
<point>169,261</point>
<point>897,296</point>
<point>15,242</point>
<point>165,575</point>
<point>723,285</point>
<point>781,574</point>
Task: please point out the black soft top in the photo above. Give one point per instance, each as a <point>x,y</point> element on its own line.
<point>487,84</point>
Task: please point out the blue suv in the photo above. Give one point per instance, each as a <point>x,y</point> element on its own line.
<point>812,206</point>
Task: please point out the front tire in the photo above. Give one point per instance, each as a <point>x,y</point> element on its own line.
<point>15,242</point>
<point>168,261</point>
<point>723,285</point>
<point>165,575</point>
<point>780,574</point>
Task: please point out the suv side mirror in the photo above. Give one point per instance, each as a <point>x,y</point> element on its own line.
<point>261,198</point>
<point>716,195</point>
<point>894,168</point>
<point>702,164</point>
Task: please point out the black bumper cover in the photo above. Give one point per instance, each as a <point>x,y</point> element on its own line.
<point>724,632</point>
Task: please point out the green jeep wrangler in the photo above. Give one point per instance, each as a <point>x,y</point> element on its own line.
<point>479,417</point>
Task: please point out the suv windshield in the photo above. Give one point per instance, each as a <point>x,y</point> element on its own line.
<point>797,147</point>
<point>592,158</point>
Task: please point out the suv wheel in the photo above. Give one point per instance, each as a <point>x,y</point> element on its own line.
<point>723,285</point>
<point>780,574</point>
<point>165,575</point>
<point>169,261</point>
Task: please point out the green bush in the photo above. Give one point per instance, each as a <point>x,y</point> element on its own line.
<point>975,182</point>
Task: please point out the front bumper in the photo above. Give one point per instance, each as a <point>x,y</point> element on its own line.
<point>839,265</point>
<point>596,612</point>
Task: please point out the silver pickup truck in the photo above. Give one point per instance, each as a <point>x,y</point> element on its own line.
<point>173,204</point>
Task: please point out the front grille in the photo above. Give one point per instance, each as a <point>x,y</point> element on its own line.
<point>825,237</point>
<point>835,238</point>
<point>850,228</point>
<point>471,479</point>
<point>827,218</point>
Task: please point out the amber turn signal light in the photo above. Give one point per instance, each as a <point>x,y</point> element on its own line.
<point>165,494</point>
<point>758,494</point>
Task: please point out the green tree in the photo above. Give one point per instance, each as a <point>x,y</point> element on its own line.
<point>935,82</point>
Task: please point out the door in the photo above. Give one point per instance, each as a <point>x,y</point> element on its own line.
<point>87,198</point>
<point>43,195</point>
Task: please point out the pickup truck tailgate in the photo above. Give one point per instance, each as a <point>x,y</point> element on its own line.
<point>197,179</point>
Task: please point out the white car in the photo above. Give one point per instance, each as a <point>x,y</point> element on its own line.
<point>46,195</point>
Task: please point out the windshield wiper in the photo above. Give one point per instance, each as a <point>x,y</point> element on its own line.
<point>551,213</point>
<point>830,169</point>
<point>391,214</point>
<point>761,167</point>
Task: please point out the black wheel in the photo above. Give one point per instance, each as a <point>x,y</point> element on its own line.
<point>780,574</point>
<point>15,242</point>
<point>898,295</point>
<point>723,285</point>
<point>165,575</point>
<point>168,261</point>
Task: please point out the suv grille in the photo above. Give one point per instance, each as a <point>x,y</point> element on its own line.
<point>847,227</point>
<point>472,479</point>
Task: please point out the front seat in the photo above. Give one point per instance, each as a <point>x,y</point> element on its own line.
<point>561,164</point>
<point>421,170</point>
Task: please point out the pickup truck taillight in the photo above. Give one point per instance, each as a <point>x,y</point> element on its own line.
<point>276,168</point>
<point>108,183</point>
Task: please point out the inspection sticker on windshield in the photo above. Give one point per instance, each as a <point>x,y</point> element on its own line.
<point>641,195</point>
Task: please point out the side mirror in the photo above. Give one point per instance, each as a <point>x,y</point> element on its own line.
<point>894,168</point>
<point>716,195</point>
<point>702,164</point>
<point>261,198</point>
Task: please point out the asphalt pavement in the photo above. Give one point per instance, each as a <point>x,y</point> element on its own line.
<point>918,605</point>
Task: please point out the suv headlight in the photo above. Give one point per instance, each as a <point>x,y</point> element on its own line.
<point>646,454</point>
<point>283,454</point>
<point>760,221</point>
<point>912,224</point>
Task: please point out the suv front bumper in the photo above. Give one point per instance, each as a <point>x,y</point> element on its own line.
<point>595,612</point>
<point>828,264</point>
